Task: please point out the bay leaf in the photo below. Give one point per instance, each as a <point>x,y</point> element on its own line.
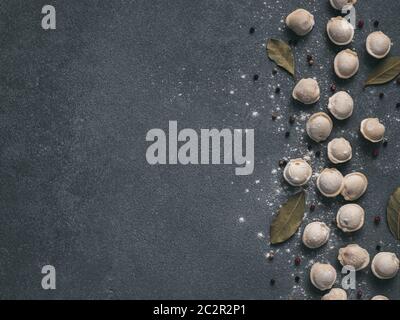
<point>393,213</point>
<point>289,218</point>
<point>386,71</point>
<point>281,53</point>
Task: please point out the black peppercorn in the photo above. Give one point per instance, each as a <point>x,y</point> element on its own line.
<point>274,72</point>
<point>282,163</point>
<point>252,30</point>
<point>297,279</point>
<point>385,143</point>
<point>318,153</point>
<point>255,77</point>
<point>359,294</point>
<point>377,219</point>
<point>274,116</point>
<point>287,134</point>
<point>376,23</point>
<point>277,90</point>
<point>378,247</point>
<point>333,87</point>
<point>381,95</point>
<point>312,208</point>
<point>272,282</point>
<point>398,105</point>
<point>292,119</point>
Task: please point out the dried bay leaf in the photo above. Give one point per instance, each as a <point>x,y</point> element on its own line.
<point>289,218</point>
<point>386,71</point>
<point>393,213</point>
<point>281,53</point>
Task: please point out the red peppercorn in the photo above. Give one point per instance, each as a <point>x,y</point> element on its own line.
<point>312,208</point>
<point>375,153</point>
<point>360,24</point>
<point>297,261</point>
<point>333,87</point>
<point>359,294</point>
<point>377,219</point>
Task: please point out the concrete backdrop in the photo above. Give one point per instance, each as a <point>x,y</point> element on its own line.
<point>76,191</point>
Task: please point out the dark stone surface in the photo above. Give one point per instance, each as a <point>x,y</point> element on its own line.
<point>77,193</point>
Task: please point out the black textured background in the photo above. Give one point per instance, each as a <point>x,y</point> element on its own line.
<point>76,191</point>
